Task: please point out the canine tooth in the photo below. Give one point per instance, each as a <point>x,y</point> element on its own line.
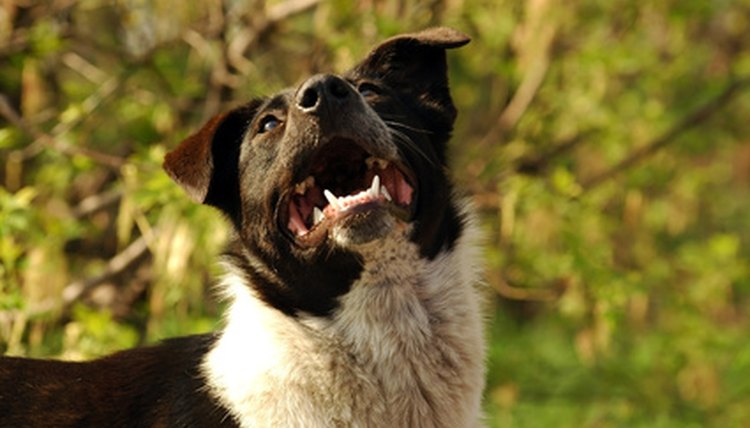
<point>331,199</point>
<point>385,193</point>
<point>317,215</point>
<point>374,189</point>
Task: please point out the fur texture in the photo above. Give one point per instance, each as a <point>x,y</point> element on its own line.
<point>404,349</point>
<point>351,271</point>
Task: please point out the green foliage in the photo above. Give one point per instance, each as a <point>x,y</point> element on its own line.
<point>94,332</point>
<point>16,217</point>
<point>606,144</point>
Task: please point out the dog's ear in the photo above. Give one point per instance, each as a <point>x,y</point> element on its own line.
<point>416,63</point>
<point>206,163</point>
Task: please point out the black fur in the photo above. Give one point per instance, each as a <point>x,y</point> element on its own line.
<point>146,387</point>
<point>247,168</point>
<point>411,80</point>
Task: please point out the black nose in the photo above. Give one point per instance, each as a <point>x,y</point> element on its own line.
<point>323,90</point>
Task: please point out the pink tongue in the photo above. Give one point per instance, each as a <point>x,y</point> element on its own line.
<point>296,224</point>
<point>396,184</point>
<point>404,192</point>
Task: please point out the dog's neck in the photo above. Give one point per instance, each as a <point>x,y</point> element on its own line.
<point>388,310</point>
<point>404,342</point>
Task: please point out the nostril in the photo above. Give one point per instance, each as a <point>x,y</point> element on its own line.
<point>323,92</point>
<point>338,88</point>
<point>309,98</point>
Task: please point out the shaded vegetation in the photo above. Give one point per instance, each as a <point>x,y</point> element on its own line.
<point>607,145</point>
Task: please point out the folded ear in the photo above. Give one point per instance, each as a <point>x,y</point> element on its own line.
<point>439,37</point>
<point>416,62</point>
<point>206,163</point>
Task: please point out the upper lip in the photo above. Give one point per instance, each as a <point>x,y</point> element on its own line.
<point>344,178</point>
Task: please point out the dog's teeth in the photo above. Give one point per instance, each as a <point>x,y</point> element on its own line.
<point>331,199</point>
<point>371,162</point>
<point>301,188</point>
<point>385,193</point>
<point>317,215</point>
<point>374,189</point>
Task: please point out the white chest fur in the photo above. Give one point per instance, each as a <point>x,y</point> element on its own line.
<point>404,349</point>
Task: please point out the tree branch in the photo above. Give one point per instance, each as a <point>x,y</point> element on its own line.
<point>537,33</point>
<point>77,289</point>
<point>696,117</point>
<point>538,164</point>
<point>97,202</point>
<point>53,142</point>
<point>510,292</point>
<point>239,45</point>
<point>116,265</point>
<point>520,101</point>
<point>281,11</point>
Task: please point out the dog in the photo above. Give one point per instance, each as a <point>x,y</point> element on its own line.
<point>352,269</point>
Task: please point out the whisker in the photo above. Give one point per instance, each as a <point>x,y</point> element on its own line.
<point>404,126</point>
<point>390,116</point>
<point>411,145</point>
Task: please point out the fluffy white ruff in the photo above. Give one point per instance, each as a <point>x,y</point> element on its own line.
<point>404,349</point>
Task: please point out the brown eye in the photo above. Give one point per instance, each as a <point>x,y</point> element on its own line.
<point>367,89</point>
<point>268,123</point>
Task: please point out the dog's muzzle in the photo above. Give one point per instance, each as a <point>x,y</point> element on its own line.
<point>351,180</point>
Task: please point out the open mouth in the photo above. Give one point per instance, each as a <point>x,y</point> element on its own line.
<point>345,180</point>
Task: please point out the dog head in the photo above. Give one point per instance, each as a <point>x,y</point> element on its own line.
<point>316,176</point>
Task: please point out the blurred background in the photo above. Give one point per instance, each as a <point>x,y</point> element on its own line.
<point>606,144</point>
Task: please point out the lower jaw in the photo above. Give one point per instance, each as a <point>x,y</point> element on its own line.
<point>362,228</point>
<point>357,229</point>
<point>359,225</point>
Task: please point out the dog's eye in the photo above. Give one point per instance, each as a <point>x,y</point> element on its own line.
<point>367,89</point>
<point>268,123</point>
